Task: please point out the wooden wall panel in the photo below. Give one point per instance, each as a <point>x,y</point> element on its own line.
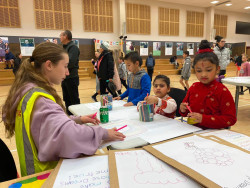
<point>168,21</point>
<point>138,19</point>
<point>98,15</point>
<point>53,14</point>
<point>9,14</point>
<point>195,24</point>
<point>220,24</point>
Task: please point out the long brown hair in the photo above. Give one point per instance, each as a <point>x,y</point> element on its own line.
<point>31,72</point>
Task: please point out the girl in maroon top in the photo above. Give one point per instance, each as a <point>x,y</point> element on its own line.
<point>211,102</point>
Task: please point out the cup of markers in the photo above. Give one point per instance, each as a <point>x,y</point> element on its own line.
<point>107,100</point>
<point>146,111</point>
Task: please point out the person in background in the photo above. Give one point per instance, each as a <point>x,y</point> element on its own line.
<point>211,103</point>
<point>9,59</point>
<point>116,79</point>
<point>244,70</point>
<point>150,63</point>
<point>222,53</point>
<point>173,60</point>
<point>105,69</point>
<point>186,70</point>
<point>122,72</point>
<point>71,82</point>
<point>139,83</point>
<point>35,114</point>
<point>17,62</point>
<point>238,62</point>
<point>97,88</point>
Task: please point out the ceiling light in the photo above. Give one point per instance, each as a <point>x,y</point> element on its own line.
<point>214,2</point>
<point>247,7</point>
<point>228,4</point>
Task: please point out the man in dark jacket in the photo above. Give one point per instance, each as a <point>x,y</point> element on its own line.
<point>105,69</point>
<point>150,63</point>
<point>71,82</point>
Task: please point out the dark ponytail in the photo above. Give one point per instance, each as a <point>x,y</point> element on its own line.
<point>205,53</point>
<point>218,38</point>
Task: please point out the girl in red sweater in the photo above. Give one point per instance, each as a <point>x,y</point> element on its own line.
<point>211,102</point>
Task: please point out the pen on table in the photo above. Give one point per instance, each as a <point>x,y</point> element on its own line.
<point>94,115</point>
<point>121,128</point>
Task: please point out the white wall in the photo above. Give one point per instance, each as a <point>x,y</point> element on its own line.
<point>232,18</point>
<point>231,25</point>
<point>154,5</point>
<point>28,27</point>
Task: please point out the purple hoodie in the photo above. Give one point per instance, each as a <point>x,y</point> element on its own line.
<point>58,136</point>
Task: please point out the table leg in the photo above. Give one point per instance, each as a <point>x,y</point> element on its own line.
<point>237,98</point>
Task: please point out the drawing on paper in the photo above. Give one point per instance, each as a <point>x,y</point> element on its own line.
<point>156,174</point>
<point>210,155</point>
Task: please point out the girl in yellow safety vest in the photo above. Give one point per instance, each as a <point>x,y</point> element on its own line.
<point>35,113</point>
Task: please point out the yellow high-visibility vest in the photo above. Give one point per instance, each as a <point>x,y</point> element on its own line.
<point>26,147</point>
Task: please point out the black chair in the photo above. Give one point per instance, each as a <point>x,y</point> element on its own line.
<point>178,95</point>
<point>7,164</point>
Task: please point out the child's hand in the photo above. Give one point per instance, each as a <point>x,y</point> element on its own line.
<point>151,99</point>
<point>114,135</point>
<point>197,117</point>
<point>183,107</point>
<point>129,104</point>
<point>117,98</point>
<point>90,119</point>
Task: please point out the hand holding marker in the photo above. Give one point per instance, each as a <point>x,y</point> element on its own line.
<point>121,128</point>
<point>93,117</point>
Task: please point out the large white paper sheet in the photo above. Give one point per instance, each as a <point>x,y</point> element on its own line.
<point>224,165</point>
<point>133,130</point>
<point>139,169</point>
<point>166,128</point>
<point>88,108</point>
<point>235,138</point>
<point>83,173</point>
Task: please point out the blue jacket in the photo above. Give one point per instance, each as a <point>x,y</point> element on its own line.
<point>9,56</point>
<point>139,85</point>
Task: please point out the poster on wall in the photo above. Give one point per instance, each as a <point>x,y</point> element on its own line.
<point>144,48</point>
<point>4,44</point>
<point>51,40</point>
<point>156,48</point>
<point>168,48</point>
<point>27,46</point>
<point>130,46</point>
<point>76,42</point>
<point>190,48</point>
<point>179,48</point>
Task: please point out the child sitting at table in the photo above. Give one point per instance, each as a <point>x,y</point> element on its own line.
<point>164,104</point>
<point>211,103</point>
<point>35,113</point>
<point>139,82</point>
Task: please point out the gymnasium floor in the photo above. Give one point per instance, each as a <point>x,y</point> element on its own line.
<point>87,88</point>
